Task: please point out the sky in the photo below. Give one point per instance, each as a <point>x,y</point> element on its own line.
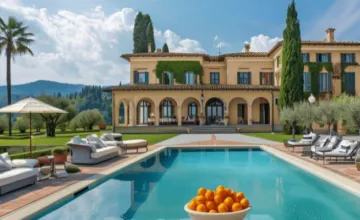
<point>80,41</point>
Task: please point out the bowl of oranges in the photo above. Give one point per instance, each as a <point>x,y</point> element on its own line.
<point>222,203</point>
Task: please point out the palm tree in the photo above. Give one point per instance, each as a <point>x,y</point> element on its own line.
<point>14,40</point>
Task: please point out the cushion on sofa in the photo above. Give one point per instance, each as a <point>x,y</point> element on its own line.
<point>4,166</point>
<point>104,151</point>
<point>6,158</point>
<point>135,143</point>
<point>30,163</point>
<point>17,174</point>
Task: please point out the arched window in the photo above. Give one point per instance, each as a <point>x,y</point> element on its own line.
<point>190,78</point>
<point>166,110</point>
<point>144,112</point>
<point>122,113</point>
<point>192,109</point>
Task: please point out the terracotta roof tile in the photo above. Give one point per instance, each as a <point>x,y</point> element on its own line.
<point>157,87</point>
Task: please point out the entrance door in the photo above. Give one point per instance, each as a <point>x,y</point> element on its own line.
<point>214,111</point>
<point>264,113</point>
<point>144,112</point>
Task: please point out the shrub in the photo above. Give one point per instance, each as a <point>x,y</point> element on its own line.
<point>37,122</point>
<point>4,124</point>
<point>21,124</point>
<point>71,168</point>
<point>35,154</point>
<point>58,150</point>
<point>73,125</point>
<point>87,119</point>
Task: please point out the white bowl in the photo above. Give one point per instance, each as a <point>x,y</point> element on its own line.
<point>194,215</point>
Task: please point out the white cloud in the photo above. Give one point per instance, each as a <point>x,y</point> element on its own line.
<point>262,43</point>
<point>176,44</point>
<point>216,38</point>
<point>82,47</point>
<point>219,43</point>
<point>342,15</point>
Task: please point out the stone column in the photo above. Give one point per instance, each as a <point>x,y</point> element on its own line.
<point>197,79</point>
<point>157,115</point>
<point>179,115</point>
<point>249,114</point>
<point>126,106</point>
<point>132,114</point>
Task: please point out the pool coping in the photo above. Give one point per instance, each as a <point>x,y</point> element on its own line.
<point>36,207</point>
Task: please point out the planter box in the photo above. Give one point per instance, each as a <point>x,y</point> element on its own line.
<point>60,158</point>
<point>102,126</point>
<point>358,166</point>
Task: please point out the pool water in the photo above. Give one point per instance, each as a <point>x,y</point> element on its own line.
<point>159,187</point>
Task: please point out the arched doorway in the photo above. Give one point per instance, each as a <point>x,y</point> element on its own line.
<point>260,111</point>
<point>144,110</point>
<point>122,113</point>
<point>168,111</point>
<point>214,111</point>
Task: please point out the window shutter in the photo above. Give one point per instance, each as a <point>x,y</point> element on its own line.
<point>146,77</point>
<point>249,74</point>
<point>305,82</point>
<point>317,57</point>
<point>329,57</point>
<point>135,77</point>
<point>354,58</point>
<point>343,58</point>
<point>261,76</point>
<point>238,78</point>
<point>272,78</point>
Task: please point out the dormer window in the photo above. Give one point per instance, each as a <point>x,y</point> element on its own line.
<point>190,78</point>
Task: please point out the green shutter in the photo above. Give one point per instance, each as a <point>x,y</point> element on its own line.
<point>135,77</point>
<point>249,78</point>
<point>272,78</point>
<point>146,77</point>
<point>343,58</point>
<point>238,78</point>
<point>354,58</point>
<point>329,57</point>
<point>261,75</point>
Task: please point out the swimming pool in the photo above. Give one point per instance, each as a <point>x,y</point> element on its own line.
<point>159,187</point>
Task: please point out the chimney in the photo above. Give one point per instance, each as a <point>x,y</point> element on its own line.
<point>149,47</point>
<point>247,48</point>
<point>330,35</point>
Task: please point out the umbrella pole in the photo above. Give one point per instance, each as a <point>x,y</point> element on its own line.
<point>30,139</point>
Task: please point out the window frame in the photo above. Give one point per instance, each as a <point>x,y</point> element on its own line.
<point>305,57</point>
<point>307,82</point>
<point>328,80</point>
<point>345,55</point>
<point>319,57</point>
<point>214,78</point>
<point>187,77</point>
<point>241,78</point>
<point>271,78</point>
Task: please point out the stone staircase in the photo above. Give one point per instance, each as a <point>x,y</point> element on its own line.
<point>213,129</point>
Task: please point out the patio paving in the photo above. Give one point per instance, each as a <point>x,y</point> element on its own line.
<point>20,198</point>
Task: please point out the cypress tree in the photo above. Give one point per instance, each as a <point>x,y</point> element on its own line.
<point>291,90</point>
<point>165,48</point>
<point>150,36</point>
<point>139,36</point>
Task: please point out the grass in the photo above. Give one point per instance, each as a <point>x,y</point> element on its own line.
<point>279,137</point>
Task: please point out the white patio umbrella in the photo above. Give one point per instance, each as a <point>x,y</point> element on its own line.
<point>29,106</point>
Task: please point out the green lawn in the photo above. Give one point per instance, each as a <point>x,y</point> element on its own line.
<point>279,137</point>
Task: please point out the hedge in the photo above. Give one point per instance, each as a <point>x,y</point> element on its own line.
<point>35,154</point>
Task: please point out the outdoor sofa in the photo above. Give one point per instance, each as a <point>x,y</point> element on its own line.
<point>85,152</point>
<point>16,174</point>
<point>329,143</point>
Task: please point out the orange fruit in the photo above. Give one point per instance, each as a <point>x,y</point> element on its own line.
<point>192,205</point>
<point>236,207</point>
<point>219,187</point>
<point>209,195</point>
<point>244,203</point>
<point>218,199</point>
<point>200,200</point>
<point>229,201</point>
<point>201,191</point>
<point>228,191</point>
<point>212,211</point>
<point>201,208</point>
<point>210,205</point>
<point>240,196</point>
<point>221,192</point>
<point>222,208</point>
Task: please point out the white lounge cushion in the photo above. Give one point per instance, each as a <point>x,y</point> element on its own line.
<point>17,174</point>
<point>30,163</point>
<point>4,166</point>
<point>78,140</point>
<point>104,151</point>
<point>134,143</point>
<point>7,159</point>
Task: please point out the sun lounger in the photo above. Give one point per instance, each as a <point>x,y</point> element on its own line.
<point>345,149</point>
<point>126,145</point>
<point>326,145</point>
<point>306,141</point>
<point>85,152</point>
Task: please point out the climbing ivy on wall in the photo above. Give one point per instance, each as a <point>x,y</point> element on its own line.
<point>342,72</point>
<point>315,69</point>
<point>179,68</point>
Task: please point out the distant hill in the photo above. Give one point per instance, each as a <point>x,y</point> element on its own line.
<point>37,88</point>
<point>42,87</point>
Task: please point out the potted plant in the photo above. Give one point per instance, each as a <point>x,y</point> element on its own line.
<point>60,155</point>
<point>357,161</point>
<point>102,124</point>
<point>226,119</point>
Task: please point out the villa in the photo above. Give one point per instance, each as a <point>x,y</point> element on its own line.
<point>193,88</point>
